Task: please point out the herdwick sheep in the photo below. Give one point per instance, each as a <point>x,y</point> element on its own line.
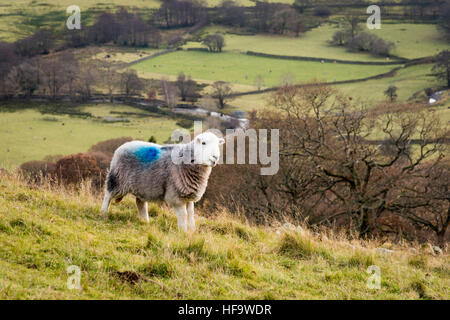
<point>177,174</point>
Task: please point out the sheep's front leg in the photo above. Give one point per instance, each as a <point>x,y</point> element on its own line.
<point>106,201</point>
<point>142,209</point>
<point>191,218</point>
<point>181,212</point>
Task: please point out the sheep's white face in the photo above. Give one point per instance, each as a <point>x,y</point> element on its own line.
<point>206,149</point>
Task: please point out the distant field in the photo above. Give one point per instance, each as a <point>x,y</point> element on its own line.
<point>243,69</point>
<point>412,41</point>
<point>313,43</point>
<point>125,55</point>
<point>19,18</point>
<point>29,135</point>
<point>408,81</point>
<point>7,5</point>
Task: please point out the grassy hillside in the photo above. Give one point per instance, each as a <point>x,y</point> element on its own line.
<point>43,232</point>
<point>411,40</point>
<point>241,68</point>
<point>408,81</point>
<point>31,135</point>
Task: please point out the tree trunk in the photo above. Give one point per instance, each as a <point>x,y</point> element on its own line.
<point>364,224</point>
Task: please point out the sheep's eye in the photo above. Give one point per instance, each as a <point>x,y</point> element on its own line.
<point>203,143</point>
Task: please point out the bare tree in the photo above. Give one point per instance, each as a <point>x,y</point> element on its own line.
<point>110,78</point>
<point>85,82</point>
<point>208,103</point>
<point>25,77</point>
<point>186,87</point>
<point>169,92</point>
<point>425,199</point>
<point>286,19</point>
<point>130,83</point>
<point>339,38</point>
<point>391,93</point>
<point>352,176</point>
<point>8,59</point>
<point>38,43</point>
<point>442,66</point>
<point>71,70</point>
<point>214,42</point>
<point>259,82</point>
<point>53,73</point>
<point>222,92</point>
<point>352,21</point>
<point>444,20</point>
<point>230,14</point>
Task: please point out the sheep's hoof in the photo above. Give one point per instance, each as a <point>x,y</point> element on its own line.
<point>145,219</point>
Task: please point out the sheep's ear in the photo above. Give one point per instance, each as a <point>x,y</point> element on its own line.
<point>198,140</point>
<point>221,141</point>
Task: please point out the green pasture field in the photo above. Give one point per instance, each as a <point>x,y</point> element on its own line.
<point>412,41</point>
<point>122,55</point>
<point>408,81</point>
<point>30,135</point>
<point>243,69</point>
<point>20,18</point>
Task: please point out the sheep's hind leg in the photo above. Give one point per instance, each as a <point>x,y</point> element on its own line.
<point>106,201</point>
<point>142,209</point>
<point>191,218</point>
<point>182,217</point>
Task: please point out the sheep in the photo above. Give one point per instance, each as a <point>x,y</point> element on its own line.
<point>177,174</point>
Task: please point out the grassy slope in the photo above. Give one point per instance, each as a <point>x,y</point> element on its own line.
<point>23,132</point>
<point>19,18</point>
<point>408,82</point>
<point>412,41</point>
<point>240,68</point>
<point>43,232</point>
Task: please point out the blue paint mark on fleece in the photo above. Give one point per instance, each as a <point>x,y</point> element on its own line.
<point>147,154</point>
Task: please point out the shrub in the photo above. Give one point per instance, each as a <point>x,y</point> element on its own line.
<point>371,43</point>
<point>76,168</point>
<point>214,42</point>
<point>37,171</point>
<point>339,38</point>
<point>53,158</point>
<point>109,146</point>
<point>381,47</point>
<point>103,160</point>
